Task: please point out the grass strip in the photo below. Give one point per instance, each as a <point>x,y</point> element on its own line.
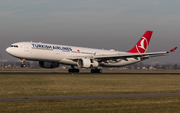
<point>58,85</point>
<point>121,105</point>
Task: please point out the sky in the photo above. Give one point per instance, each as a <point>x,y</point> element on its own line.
<point>107,24</point>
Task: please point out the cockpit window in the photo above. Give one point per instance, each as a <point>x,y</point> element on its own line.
<point>14,46</point>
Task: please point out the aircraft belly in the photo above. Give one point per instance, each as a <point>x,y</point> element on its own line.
<point>69,62</point>
<point>121,63</point>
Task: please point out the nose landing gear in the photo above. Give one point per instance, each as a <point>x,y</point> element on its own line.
<point>23,63</point>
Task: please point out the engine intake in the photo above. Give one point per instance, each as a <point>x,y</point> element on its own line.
<point>87,63</point>
<point>48,64</point>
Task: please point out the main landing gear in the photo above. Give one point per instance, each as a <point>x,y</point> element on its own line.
<point>96,70</point>
<point>73,70</point>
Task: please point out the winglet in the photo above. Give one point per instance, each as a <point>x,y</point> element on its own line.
<point>172,50</point>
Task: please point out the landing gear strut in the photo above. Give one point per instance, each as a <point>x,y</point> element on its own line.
<point>96,70</point>
<point>73,70</point>
<point>23,63</point>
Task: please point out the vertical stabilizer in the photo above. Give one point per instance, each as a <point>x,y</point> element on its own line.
<point>142,45</point>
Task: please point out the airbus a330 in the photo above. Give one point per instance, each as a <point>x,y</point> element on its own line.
<point>51,55</point>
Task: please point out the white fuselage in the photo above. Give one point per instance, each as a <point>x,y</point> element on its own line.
<point>62,53</point>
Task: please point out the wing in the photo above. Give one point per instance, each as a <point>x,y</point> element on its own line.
<point>124,56</point>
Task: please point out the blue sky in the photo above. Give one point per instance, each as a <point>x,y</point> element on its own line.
<point>114,24</point>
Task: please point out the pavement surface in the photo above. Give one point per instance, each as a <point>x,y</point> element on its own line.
<point>88,73</point>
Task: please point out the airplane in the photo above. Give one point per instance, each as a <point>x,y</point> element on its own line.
<point>51,55</point>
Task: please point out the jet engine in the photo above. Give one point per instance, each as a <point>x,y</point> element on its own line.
<point>87,63</point>
<point>48,64</point>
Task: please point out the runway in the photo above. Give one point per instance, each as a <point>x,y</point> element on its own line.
<point>106,73</point>
<point>87,97</point>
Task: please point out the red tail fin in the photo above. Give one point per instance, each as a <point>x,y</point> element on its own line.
<point>142,45</point>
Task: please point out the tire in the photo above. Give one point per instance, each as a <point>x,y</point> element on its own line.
<point>73,70</point>
<point>23,65</point>
<point>96,70</point>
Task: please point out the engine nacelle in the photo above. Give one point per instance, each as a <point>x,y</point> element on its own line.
<point>48,64</point>
<point>87,63</point>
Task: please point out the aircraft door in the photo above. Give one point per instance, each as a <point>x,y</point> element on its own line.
<point>26,47</point>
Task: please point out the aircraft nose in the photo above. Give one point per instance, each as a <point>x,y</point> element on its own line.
<point>11,51</point>
<point>8,50</point>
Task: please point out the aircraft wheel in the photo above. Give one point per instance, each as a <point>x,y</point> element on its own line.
<point>100,70</point>
<point>23,65</point>
<point>73,70</point>
<point>96,70</point>
<point>77,70</point>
